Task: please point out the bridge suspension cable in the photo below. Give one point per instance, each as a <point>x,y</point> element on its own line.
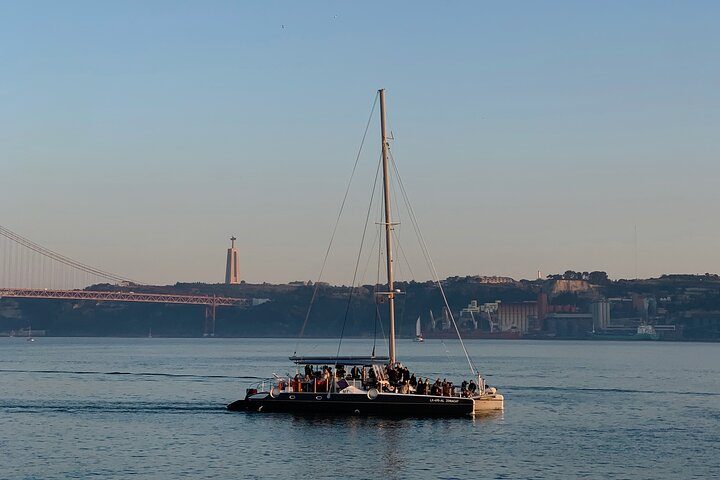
<point>28,264</point>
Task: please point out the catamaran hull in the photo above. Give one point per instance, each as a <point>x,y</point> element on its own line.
<point>384,404</point>
<point>489,403</point>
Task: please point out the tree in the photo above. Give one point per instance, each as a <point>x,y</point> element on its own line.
<point>598,278</point>
<point>570,275</point>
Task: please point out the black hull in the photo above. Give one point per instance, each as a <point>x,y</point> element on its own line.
<point>385,404</point>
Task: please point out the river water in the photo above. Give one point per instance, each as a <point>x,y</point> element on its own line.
<point>154,408</point>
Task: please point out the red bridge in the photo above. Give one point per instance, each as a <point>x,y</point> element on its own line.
<point>123,297</point>
<point>29,270</point>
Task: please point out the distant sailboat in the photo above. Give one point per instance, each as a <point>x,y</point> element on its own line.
<point>29,335</point>
<point>418,332</point>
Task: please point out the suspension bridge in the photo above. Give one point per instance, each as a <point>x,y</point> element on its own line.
<point>30,270</point>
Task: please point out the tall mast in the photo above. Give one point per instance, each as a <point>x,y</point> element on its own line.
<point>388,228</point>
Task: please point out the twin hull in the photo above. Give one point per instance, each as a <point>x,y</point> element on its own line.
<point>390,404</point>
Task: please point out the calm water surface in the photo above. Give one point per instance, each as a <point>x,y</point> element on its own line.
<point>154,408</point>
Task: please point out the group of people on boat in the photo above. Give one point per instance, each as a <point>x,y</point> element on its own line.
<point>388,378</point>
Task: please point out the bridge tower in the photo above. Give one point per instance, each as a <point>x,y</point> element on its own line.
<point>210,320</point>
<point>232,265</point>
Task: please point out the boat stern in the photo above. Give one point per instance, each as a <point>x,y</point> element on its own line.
<point>488,402</point>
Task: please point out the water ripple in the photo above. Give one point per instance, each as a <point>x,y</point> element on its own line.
<point>609,390</point>
<point>110,407</point>
<point>140,374</point>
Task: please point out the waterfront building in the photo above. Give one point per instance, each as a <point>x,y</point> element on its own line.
<point>600,314</point>
<point>515,317</point>
<point>469,315</point>
<point>569,324</point>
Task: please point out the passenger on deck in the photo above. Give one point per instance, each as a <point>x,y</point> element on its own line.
<point>448,391</point>
<point>472,387</point>
<point>413,381</point>
<point>426,387</point>
<point>436,388</point>
<point>392,375</point>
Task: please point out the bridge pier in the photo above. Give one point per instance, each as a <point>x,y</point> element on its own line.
<point>209,320</point>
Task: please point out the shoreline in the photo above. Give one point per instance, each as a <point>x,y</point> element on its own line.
<point>630,339</point>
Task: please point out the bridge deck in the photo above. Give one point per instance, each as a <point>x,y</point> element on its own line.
<point>122,297</point>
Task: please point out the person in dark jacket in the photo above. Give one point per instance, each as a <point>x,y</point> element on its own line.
<point>472,387</point>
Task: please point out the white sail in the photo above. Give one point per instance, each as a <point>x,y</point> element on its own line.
<point>418,329</point>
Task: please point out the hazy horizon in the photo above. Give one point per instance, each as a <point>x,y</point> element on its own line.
<point>139,137</point>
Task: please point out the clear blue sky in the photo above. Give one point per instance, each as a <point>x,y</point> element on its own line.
<point>138,136</point>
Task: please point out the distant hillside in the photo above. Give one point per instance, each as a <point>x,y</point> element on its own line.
<point>689,300</point>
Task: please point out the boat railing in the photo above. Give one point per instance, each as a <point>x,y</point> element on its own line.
<point>276,385</point>
<point>314,385</point>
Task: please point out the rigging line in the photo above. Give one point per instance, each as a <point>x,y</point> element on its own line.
<point>433,270</point>
<point>337,223</point>
<point>376,238</point>
<point>367,264</point>
<point>403,304</point>
<point>378,318</point>
<point>375,324</point>
<point>399,272</point>
<point>393,192</point>
<point>357,262</point>
<point>29,244</point>
<point>381,262</point>
<point>402,252</point>
<point>377,284</point>
<point>396,231</point>
<point>447,354</point>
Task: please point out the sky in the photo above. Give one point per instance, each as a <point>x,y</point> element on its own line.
<point>139,136</point>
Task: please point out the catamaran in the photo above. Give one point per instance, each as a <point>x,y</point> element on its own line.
<point>372,385</point>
